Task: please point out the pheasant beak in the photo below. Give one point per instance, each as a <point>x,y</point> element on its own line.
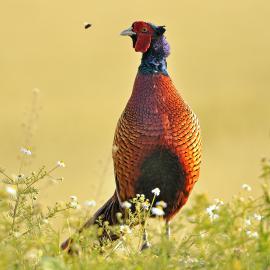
<point>128,32</point>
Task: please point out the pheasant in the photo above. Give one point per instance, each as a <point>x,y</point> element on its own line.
<point>157,142</point>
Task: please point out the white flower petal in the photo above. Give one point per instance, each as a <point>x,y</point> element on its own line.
<point>156,191</point>
<point>45,221</point>
<point>26,151</point>
<point>125,229</point>
<point>246,187</point>
<point>157,211</point>
<point>252,234</point>
<point>11,191</point>
<point>255,235</point>
<point>145,205</point>
<point>214,216</point>
<point>248,222</point>
<point>61,164</point>
<point>257,217</point>
<point>210,209</point>
<point>74,204</point>
<point>162,204</point>
<point>218,202</point>
<point>126,205</point>
<point>91,203</point>
<point>73,198</point>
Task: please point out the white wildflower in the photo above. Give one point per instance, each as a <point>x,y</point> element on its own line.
<point>74,204</point>
<point>156,191</point>
<point>189,260</point>
<point>202,234</point>
<point>17,234</point>
<point>26,151</point>
<point>12,191</point>
<point>126,205</point>
<point>252,234</point>
<point>255,235</point>
<point>125,229</point>
<point>211,211</point>
<point>91,203</point>
<point>191,219</point>
<point>157,211</point>
<point>45,221</point>
<point>20,177</point>
<point>218,202</point>
<point>161,204</point>
<point>241,199</point>
<point>145,205</point>
<point>33,254</point>
<point>246,187</point>
<point>73,198</point>
<point>61,164</point>
<point>257,217</point>
<point>248,222</point>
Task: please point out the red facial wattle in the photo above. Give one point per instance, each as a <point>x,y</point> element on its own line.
<point>144,33</point>
<point>143,43</point>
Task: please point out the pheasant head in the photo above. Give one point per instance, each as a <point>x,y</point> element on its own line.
<point>143,35</point>
<point>149,39</point>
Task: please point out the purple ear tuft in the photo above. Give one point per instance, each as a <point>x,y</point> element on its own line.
<point>161,46</point>
<point>166,47</point>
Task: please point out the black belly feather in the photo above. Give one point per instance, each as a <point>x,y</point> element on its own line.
<point>161,169</point>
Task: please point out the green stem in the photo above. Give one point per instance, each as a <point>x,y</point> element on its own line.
<point>15,209</point>
<point>38,178</point>
<point>148,213</point>
<point>2,172</point>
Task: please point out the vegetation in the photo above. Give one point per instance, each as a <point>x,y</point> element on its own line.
<point>205,235</point>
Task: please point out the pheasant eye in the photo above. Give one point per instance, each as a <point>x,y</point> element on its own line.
<point>144,30</point>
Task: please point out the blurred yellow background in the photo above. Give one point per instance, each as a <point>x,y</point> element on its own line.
<point>220,62</point>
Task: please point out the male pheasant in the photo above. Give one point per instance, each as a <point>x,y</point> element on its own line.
<point>157,141</point>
